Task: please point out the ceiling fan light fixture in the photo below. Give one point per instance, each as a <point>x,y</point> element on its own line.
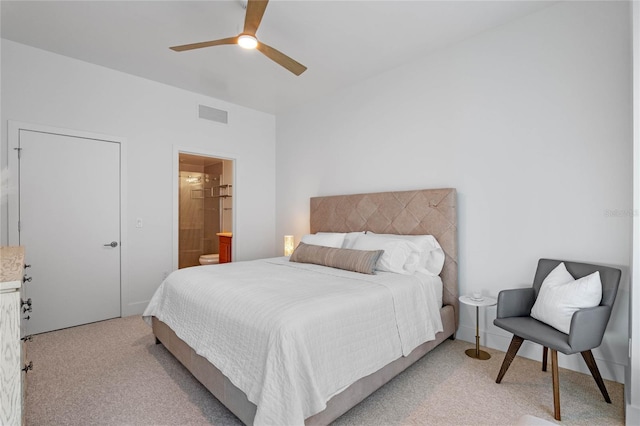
<point>247,41</point>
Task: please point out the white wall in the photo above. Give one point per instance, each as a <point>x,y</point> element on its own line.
<point>48,89</point>
<point>632,382</point>
<point>531,122</point>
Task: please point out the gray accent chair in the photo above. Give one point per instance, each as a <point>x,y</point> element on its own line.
<point>587,325</point>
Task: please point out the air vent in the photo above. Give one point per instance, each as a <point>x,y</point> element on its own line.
<point>212,114</point>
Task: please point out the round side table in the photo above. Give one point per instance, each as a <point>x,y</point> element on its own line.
<point>484,301</point>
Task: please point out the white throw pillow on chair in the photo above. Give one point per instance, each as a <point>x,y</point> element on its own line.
<point>561,295</point>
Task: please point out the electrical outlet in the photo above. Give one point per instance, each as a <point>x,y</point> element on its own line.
<point>138,223</point>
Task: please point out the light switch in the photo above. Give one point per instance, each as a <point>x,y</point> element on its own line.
<point>138,223</point>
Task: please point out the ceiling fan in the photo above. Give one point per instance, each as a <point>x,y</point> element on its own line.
<point>248,39</point>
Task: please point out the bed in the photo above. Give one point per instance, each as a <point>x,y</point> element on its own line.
<point>421,212</point>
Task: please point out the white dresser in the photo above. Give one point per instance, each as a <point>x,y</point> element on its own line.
<point>11,375</point>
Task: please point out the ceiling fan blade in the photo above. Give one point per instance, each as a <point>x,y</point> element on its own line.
<point>280,58</point>
<point>230,40</point>
<point>253,16</point>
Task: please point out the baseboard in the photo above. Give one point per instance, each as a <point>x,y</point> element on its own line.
<point>632,415</point>
<point>134,308</point>
<point>608,369</point>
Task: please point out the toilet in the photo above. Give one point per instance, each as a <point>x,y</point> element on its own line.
<point>209,259</point>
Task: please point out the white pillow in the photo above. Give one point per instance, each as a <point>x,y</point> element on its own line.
<point>431,254</point>
<point>350,239</point>
<point>561,295</point>
<point>327,239</point>
<point>400,256</point>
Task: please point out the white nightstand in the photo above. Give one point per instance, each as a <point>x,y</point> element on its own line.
<point>483,301</point>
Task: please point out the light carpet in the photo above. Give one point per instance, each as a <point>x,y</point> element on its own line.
<point>113,373</point>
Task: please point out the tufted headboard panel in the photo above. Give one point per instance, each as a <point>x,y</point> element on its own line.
<point>426,211</point>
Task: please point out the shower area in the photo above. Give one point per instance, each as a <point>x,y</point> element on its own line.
<point>205,206</point>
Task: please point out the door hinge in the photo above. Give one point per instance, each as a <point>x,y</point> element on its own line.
<point>19,152</point>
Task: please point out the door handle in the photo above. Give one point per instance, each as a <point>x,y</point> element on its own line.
<point>111,244</point>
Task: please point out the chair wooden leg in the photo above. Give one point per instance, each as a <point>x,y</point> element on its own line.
<point>515,344</point>
<point>556,384</point>
<point>544,358</point>
<point>593,367</point>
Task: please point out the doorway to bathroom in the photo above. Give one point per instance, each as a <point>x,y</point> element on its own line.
<point>205,208</point>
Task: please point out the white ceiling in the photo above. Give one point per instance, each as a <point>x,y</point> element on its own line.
<point>341,42</point>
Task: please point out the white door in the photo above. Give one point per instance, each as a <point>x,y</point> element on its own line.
<point>69,224</point>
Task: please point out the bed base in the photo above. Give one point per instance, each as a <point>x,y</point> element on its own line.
<point>236,400</point>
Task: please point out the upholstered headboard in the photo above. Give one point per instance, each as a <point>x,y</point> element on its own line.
<point>426,211</point>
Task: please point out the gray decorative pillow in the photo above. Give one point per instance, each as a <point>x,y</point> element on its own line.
<point>363,261</point>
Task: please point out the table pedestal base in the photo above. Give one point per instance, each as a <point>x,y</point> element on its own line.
<point>479,354</point>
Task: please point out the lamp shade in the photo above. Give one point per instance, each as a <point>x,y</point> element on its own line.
<point>288,245</point>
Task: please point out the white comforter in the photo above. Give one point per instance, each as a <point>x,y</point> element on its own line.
<point>292,335</point>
